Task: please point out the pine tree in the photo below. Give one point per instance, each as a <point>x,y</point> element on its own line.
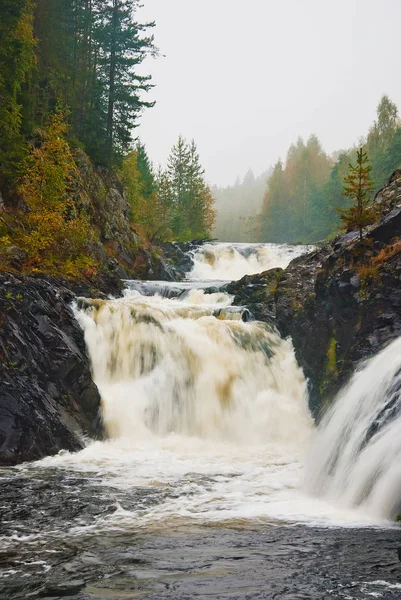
<point>122,46</point>
<point>146,170</point>
<point>164,202</point>
<point>358,187</point>
<point>196,193</point>
<point>16,62</point>
<point>177,170</point>
<point>191,202</point>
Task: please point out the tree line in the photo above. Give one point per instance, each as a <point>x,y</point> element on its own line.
<point>82,56</point>
<point>303,193</point>
<point>297,200</point>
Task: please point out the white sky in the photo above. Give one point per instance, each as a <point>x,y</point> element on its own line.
<point>245,78</point>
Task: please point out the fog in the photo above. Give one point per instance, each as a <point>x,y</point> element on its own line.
<point>245,79</point>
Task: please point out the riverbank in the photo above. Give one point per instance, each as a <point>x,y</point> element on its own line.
<point>339,305</point>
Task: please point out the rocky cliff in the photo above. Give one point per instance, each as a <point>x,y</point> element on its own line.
<point>339,305</point>
<point>48,400</point>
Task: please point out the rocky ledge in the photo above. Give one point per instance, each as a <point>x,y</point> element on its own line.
<point>48,400</point>
<point>339,305</point>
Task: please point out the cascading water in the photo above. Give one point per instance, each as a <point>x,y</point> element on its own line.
<point>227,262</point>
<point>355,460</point>
<point>193,492</point>
<point>193,367</point>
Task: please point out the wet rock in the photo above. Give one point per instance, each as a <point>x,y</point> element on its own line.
<point>334,315</point>
<point>68,588</point>
<point>13,256</point>
<point>179,256</point>
<point>48,400</point>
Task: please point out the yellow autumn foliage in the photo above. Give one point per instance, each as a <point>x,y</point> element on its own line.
<point>55,229</point>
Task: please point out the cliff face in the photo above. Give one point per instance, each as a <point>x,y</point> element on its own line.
<point>48,400</point>
<point>120,250</point>
<point>113,249</point>
<point>338,305</point>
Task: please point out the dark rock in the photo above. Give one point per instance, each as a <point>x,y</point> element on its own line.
<point>48,400</point>
<point>334,316</point>
<point>67,588</point>
<point>13,256</point>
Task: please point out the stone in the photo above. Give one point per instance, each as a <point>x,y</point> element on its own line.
<point>320,298</point>
<point>67,588</point>
<point>47,397</point>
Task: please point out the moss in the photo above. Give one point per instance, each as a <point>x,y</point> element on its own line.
<point>331,364</point>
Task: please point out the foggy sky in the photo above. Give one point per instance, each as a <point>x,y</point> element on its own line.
<point>245,78</point>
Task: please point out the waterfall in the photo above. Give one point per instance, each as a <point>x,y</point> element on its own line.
<point>227,262</point>
<point>355,459</point>
<point>192,367</point>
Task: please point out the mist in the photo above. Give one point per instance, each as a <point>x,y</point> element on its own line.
<point>246,79</point>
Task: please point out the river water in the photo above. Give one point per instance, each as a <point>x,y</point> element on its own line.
<point>214,482</point>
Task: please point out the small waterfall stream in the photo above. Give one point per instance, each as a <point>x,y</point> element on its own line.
<point>356,458</point>
<point>228,261</point>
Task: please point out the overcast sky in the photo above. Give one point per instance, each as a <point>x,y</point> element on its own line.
<point>245,78</point>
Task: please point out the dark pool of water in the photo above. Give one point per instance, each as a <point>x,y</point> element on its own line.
<point>40,557</point>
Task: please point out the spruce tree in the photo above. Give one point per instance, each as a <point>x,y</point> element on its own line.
<point>358,188</point>
<point>123,45</point>
<point>178,169</point>
<point>146,170</point>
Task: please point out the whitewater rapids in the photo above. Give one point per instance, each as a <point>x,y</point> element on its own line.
<point>200,403</point>
<point>215,409</point>
<point>228,261</point>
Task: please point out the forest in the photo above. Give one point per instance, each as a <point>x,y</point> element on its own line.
<point>71,84</point>
<point>298,200</point>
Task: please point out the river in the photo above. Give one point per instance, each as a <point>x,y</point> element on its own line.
<point>214,482</point>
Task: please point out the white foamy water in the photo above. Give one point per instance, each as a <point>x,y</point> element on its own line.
<point>228,262</point>
<point>355,460</point>
<point>212,413</point>
<point>202,406</point>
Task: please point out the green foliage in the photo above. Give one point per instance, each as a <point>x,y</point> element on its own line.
<point>292,209</point>
<point>358,187</point>
<point>83,55</point>
<point>140,188</point>
<point>16,61</point>
<point>175,203</point>
<point>331,365</point>
<point>186,201</point>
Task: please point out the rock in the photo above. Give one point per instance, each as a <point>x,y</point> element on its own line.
<point>67,588</point>
<point>323,302</point>
<point>13,256</point>
<point>355,282</point>
<point>48,400</point>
